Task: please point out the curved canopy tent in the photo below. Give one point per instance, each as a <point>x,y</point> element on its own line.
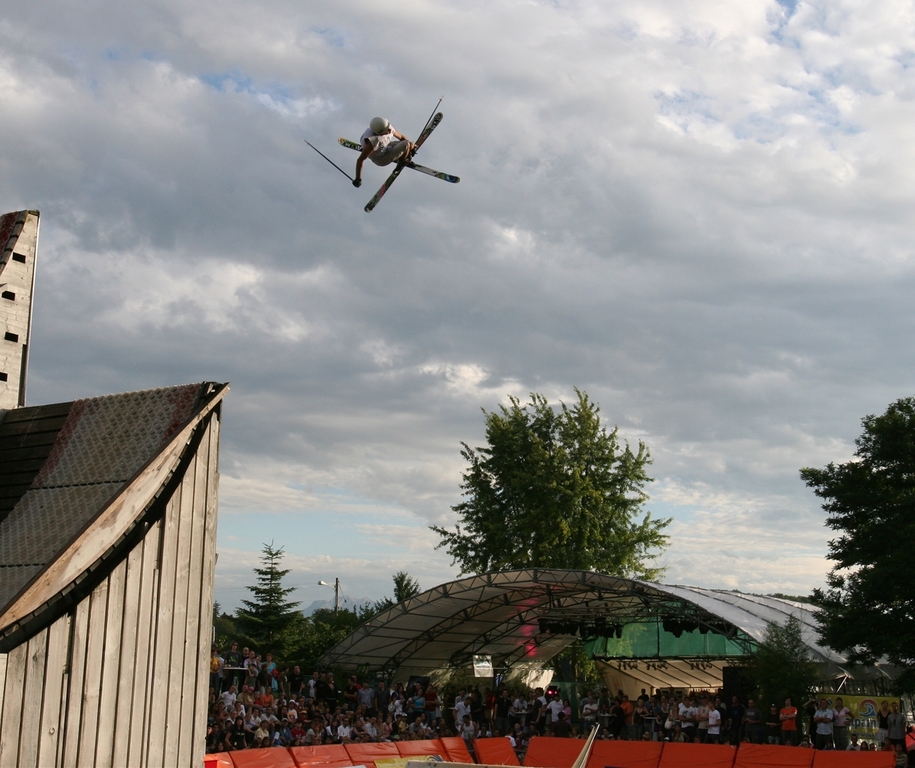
<point>659,635</point>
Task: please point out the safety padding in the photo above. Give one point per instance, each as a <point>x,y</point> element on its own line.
<point>495,751</point>
<point>456,749</point>
<point>422,748</point>
<point>678,755</point>
<point>321,756</point>
<point>831,758</point>
<point>367,754</point>
<point>772,756</point>
<point>625,754</point>
<point>265,757</point>
<point>218,760</point>
<point>553,752</point>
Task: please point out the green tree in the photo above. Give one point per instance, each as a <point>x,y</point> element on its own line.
<point>405,587</point>
<point>554,489</point>
<point>782,665</point>
<point>320,632</point>
<point>868,610</point>
<point>268,619</point>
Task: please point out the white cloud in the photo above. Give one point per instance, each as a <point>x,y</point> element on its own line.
<point>701,215</point>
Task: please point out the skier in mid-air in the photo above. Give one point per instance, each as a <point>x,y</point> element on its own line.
<point>383,144</point>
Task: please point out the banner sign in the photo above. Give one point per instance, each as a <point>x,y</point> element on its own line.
<point>863,712</point>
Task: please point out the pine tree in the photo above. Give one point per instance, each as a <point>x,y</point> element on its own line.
<point>268,619</point>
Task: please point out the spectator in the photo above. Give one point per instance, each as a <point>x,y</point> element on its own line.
<point>823,717</point>
<point>561,727</point>
<point>773,725</point>
<point>840,721</point>
<point>753,723</point>
<point>713,732</point>
<point>788,717</point>
<point>896,727</point>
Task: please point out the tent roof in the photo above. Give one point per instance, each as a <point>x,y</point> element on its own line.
<point>530,615</point>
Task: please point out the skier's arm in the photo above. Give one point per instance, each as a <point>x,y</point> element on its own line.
<point>401,137</point>
<point>367,151</point>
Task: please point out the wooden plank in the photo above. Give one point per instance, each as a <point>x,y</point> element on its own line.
<point>129,658</point>
<point>207,581</point>
<point>193,510</point>
<point>3,658</point>
<point>32,690</point>
<point>79,629</point>
<point>92,678</point>
<point>55,687</point>
<point>111,659</point>
<point>162,651</point>
<point>13,706</point>
<point>148,608</point>
<point>180,684</point>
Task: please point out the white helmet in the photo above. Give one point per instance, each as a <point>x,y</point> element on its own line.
<point>379,125</point>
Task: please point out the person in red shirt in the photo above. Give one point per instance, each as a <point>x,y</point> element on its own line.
<point>788,717</point>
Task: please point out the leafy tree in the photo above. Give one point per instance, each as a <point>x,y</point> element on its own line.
<point>320,632</point>
<point>268,619</point>
<point>868,610</point>
<point>554,489</point>
<point>782,665</point>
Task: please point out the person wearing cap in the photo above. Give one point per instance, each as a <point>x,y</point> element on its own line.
<point>382,144</point>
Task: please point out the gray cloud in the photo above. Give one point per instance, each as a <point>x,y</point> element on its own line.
<point>699,215</point>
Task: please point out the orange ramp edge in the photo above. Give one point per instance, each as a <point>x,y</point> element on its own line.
<point>625,754</point>
<point>495,751</point>
<point>553,752</point>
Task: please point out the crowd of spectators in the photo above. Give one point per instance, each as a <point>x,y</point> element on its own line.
<point>254,703</point>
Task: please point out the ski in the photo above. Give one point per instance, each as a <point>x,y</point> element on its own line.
<point>431,172</point>
<point>403,163</point>
<point>415,166</point>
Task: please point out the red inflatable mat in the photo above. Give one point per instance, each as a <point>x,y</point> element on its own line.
<point>421,748</point>
<point>771,755</point>
<point>265,757</point>
<point>457,749</point>
<point>367,754</point>
<point>625,754</point>
<point>830,758</point>
<point>679,755</point>
<point>321,756</point>
<point>495,751</point>
<point>553,752</point>
<point>218,760</point>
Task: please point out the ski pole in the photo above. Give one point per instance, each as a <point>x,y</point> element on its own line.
<point>433,114</point>
<point>329,160</point>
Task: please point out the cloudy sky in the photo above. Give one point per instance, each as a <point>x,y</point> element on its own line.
<point>698,212</point>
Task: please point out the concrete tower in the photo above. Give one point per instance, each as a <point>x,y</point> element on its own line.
<point>18,248</point>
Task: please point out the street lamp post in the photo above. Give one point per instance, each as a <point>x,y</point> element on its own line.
<point>336,593</point>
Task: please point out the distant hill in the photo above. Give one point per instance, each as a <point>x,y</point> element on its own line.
<point>329,604</point>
